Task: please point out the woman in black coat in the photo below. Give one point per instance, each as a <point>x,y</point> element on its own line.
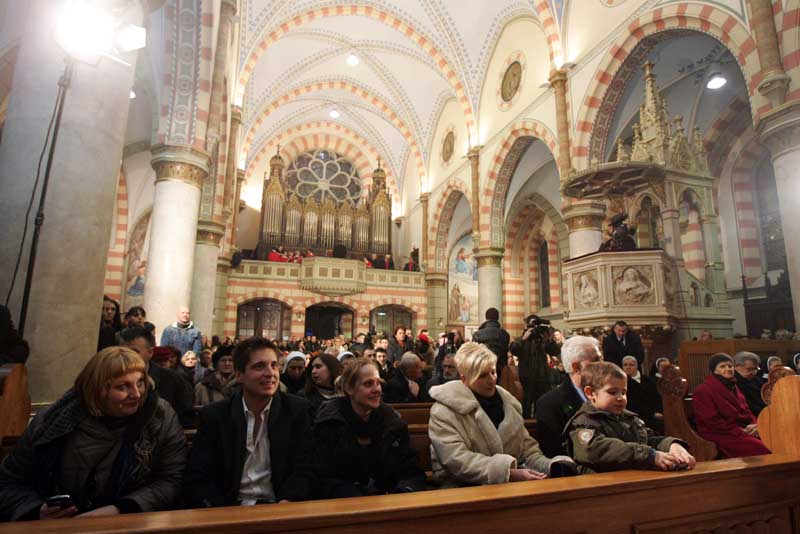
<point>362,446</point>
<point>643,396</point>
<point>321,376</point>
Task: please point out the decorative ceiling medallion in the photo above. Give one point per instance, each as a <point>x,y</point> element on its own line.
<point>512,77</point>
<point>448,145</point>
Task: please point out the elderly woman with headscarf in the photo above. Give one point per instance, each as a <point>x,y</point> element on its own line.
<point>477,432</point>
<point>643,397</point>
<point>721,412</point>
<point>110,445</point>
<point>293,374</point>
<point>220,383</point>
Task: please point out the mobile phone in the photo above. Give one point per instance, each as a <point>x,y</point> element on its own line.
<point>59,501</point>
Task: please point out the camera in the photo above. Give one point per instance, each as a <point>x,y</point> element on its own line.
<point>539,327</point>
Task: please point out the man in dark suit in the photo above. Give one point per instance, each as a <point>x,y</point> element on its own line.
<point>171,387</point>
<point>555,408</point>
<point>255,447</point>
<point>621,342</point>
<point>494,336</point>
<point>407,385</point>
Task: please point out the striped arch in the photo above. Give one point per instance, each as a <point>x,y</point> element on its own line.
<point>516,142</point>
<point>442,218</point>
<point>115,259</point>
<point>281,29</point>
<point>551,31</point>
<point>724,131</point>
<point>343,85</point>
<point>738,172</point>
<point>788,24</point>
<point>347,142</point>
<point>680,16</point>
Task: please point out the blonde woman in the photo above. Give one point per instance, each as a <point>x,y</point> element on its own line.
<point>108,446</point>
<point>477,432</point>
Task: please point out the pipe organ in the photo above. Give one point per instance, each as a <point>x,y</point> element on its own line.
<point>288,220</point>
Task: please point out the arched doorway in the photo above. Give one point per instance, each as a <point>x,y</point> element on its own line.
<point>268,318</point>
<point>386,318</point>
<point>330,319</point>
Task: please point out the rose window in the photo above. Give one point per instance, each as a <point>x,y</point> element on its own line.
<point>321,174</point>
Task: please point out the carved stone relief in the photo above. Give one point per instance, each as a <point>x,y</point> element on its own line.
<point>633,285</point>
<point>587,290</point>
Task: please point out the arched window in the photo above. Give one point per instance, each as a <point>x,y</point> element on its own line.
<point>268,318</point>
<point>544,276</point>
<point>324,174</point>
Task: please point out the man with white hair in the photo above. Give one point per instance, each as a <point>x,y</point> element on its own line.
<point>406,385</point>
<point>555,407</point>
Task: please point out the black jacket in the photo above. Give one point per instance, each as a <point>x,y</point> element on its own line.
<point>553,410</point>
<point>344,468</point>
<point>176,390</point>
<point>217,456</point>
<point>396,390</point>
<point>614,351</point>
<point>644,400</point>
<point>497,339</point>
<point>394,351</point>
<point>751,389</point>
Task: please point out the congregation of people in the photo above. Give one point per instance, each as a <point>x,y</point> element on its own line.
<point>306,418</point>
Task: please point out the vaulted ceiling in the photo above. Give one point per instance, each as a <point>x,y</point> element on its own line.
<point>413,56</point>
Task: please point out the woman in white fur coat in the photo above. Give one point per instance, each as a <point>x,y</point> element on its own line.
<point>477,432</point>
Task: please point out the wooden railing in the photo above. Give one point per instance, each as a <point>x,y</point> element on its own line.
<point>757,494</point>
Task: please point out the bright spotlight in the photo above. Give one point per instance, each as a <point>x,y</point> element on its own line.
<point>131,37</point>
<point>353,60</point>
<point>334,114</point>
<point>84,31</point>
<point>133,94</point>
<point>716,81</point>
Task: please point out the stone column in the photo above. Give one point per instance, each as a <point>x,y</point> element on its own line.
<point>436,288</point>
<point>206,255</point>
<point>232,188</point>
<point>423,250</point>
<point>474,156</point>
<point>774,81</point>
<point>180,172</point>
<point>780,130</point>
<point>235,203</point>
<point>584,219</point>
<point>490,280</point>
<point>221,295</point>
<point>558,81</point>
<point>67,285</point>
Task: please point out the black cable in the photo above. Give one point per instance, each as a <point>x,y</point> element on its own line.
<point>33,193</point>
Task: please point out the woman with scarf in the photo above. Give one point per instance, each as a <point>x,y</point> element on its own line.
<point>643,397</point>
<point>721,413</point>
<point>293,375</point>
<point>219,384</point>
<point>321,376</point>
<point>362,445</point>
<point>110,445</point>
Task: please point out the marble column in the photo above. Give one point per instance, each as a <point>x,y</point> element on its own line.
<point>780,131</point>
<point>180,172</point>
<point>235,203</point>
<point>558,81</point>
<point>221,295</point>
<point>67,285</point>
<point>584,219</point>
<point>204,275</point>
<point>474,156</point>
<point>436,289</point>
<point>423,250</point>
<point>490,280</point>
<point>774,81</point>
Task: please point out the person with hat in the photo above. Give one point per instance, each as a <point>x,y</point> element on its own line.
<point>721,412</point>
<point>293,374</point>
<point>219,384</point>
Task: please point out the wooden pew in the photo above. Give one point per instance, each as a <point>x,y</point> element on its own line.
<point>757,494</point>
<point>15,401</point>
<point>672,388</point>
<point>779,423</point>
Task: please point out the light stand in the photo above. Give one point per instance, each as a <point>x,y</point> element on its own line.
<point>63,85</point>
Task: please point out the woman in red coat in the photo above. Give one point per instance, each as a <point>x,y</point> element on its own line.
<point>721,412</point>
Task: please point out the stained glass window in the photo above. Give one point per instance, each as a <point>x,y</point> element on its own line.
<point>324,174</point>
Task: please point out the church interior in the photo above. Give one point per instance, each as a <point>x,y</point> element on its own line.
<point>334,168</point>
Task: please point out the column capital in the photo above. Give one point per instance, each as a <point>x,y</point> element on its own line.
<point>489,256</point>
<point>230,5</point>
<point>474,152</point>
<point>240,175</point>
<point>584,215</point>
<point>779,129</point>
<point>180,163</point>
<point>436,279</point>
<point>558,76</point>
<point>424,198</point>
<point>210,232</point>
<point>236,115</point>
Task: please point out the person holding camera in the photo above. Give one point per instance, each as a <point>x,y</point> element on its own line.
<point>532,350</point>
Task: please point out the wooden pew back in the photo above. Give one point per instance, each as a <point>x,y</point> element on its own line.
<point>672,388</point>
<point>779,423</point>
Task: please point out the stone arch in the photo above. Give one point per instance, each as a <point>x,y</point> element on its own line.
<point>352,88</point>
<point>113,284</point>
<point>443,215</point>
<point>551,31</point>
<point>268,38</point>
<point>313,137</point>
<point>598,105</point>
<point>263,293</point>
<point>502,167</point>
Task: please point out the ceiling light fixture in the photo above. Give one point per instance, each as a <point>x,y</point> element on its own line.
<point>353,60</point>
<point>334,114</point>
<point>133,94</point>
<point>715,78</point>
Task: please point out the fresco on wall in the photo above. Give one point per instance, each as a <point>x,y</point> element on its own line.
<point>462,280</point>
<point>135,274</point>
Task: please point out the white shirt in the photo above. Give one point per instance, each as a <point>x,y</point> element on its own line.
<point>256,482</point>
<point>581,394</point>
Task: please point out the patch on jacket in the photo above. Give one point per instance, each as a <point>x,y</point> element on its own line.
<point>585,435</point>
